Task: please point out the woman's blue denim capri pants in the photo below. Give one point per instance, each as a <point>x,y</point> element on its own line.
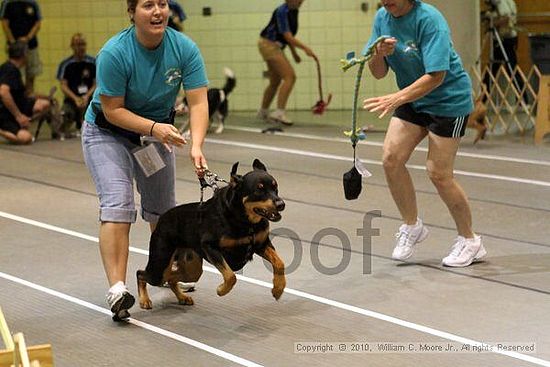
<point>114,168</point>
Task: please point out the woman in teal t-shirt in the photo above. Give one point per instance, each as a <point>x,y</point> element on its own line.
<point>139,74</point>
<point>434,100</point>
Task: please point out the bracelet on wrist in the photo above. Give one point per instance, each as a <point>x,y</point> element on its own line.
<point>151,131</point>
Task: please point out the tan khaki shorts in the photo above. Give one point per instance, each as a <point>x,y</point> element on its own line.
<point>269,49</point>
<point>34,65</point>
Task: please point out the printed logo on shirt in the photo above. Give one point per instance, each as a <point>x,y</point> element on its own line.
<point>173,76</point>
<point>411,49</point>
<point>29,10</point>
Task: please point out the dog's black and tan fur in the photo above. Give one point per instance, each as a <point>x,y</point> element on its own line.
<point>227,230</point>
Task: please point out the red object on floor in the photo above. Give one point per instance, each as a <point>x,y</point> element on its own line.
<point>320,107</point>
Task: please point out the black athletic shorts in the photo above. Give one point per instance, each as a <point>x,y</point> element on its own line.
<point>8,121</point>
<point>447,127</point>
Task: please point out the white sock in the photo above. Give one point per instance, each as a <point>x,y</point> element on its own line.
<point>118,287</point>
<point>279,111</point>
<point>413,226</point>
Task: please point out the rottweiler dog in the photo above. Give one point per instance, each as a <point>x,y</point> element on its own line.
<point>226,230</point>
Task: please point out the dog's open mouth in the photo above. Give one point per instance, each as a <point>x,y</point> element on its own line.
<point>271,215</point>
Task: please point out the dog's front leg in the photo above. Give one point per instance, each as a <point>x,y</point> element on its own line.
<point>279,280</point>
<point>215,257</point>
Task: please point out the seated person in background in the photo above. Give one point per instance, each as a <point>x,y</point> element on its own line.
<point>77,77</point>
<point>16,110</point>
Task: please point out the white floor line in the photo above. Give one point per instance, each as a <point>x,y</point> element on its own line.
<point>141,324</point>
<point>322,300</point>
<point>307,153</point>
<point>379,144</point>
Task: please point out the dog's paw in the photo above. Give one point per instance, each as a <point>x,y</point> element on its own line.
<point>223,289</point>
<point>227,285</point>
<point>187,301</point>
<point>146,304</point>
<point>279,284</point>
<point>277,292</point>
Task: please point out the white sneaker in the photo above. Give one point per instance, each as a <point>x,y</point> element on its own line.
<point>465,251</point>
<point>407,237</point>
<point>280,116</point>
<point>120,301</point>
<point>187,287</point>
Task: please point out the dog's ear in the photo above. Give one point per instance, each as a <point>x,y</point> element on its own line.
<point>257,165</point>
<point>234,168</point>
<point>235,178</point>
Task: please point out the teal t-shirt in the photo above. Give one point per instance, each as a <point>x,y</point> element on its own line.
<point>149,80</point>
<point>424,46</point>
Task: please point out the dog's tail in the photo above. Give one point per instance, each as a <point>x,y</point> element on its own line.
<point>230,81</point>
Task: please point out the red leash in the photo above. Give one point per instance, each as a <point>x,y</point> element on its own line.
<point>321,105</point>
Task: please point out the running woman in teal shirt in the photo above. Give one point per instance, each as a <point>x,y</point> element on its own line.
<point>139,74</point>
<point>434,100</point>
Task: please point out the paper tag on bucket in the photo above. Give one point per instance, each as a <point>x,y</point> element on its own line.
<point>149,159</point>
<point>361,168</point>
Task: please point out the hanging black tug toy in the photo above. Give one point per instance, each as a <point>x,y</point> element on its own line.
<point>352,179</point>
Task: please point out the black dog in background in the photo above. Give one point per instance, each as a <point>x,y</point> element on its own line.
<point>226,230</point>
<point>218,107</point>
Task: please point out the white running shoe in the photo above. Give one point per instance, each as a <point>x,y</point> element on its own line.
<point>465,251</point>
<point>280,116</point>
<point>120,301</point>
<point>407,238</point>
<point>187,287</point>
